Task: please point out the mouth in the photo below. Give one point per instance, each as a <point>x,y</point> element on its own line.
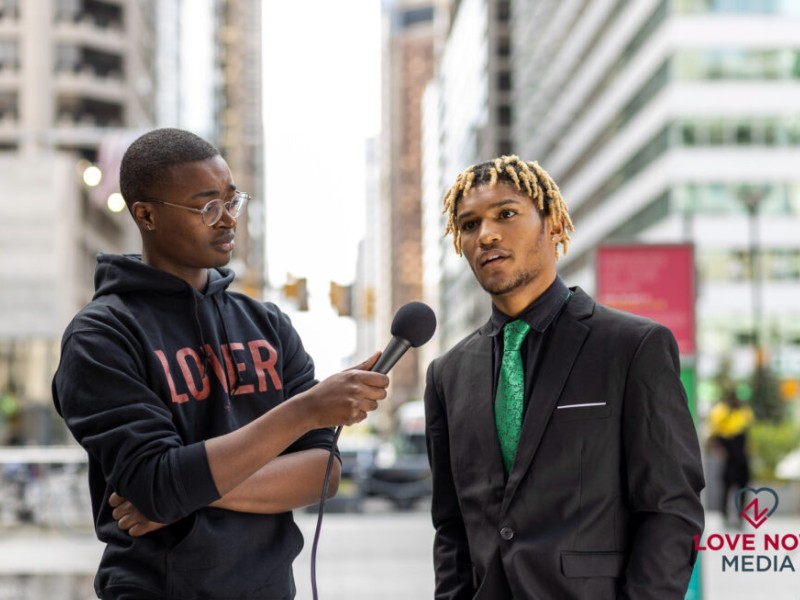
<point>225,242</point>
<point>492,258</point>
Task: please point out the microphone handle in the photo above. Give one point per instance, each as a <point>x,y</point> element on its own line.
<point>395,349</point>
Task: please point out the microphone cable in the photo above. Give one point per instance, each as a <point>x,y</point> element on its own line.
<point>322,500</point>
<point>413,325</point>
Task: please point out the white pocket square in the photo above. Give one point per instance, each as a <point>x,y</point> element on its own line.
<point>587,405</point>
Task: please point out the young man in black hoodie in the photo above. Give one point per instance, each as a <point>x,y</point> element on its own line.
<point>198,406</point>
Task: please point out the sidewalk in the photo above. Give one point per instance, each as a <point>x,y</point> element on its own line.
<point>33,551</point>
<point>363,550</point>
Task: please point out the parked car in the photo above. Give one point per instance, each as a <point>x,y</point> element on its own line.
<point>401,472</point>
<point>358,460</point>
<point>396,470</point>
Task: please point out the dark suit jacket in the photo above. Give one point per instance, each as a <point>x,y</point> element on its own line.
<point>603,499</point>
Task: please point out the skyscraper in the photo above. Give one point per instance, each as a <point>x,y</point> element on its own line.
<point>676,121</point>
<point>79,80</point>
<point>408,62</point>
<point>71,73</point>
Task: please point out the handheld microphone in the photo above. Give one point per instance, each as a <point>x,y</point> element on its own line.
<point>412,326</point>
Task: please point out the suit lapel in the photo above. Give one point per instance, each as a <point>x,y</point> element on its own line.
<point>478,388</point>
<point>557,362</point>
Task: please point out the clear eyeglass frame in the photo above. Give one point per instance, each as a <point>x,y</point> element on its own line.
<point>213,211</point>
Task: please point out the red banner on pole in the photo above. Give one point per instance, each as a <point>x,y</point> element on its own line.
<point>654,281</point>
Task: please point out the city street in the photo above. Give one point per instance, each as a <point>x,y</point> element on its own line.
<point>382,554</point>
<point>379,554</point>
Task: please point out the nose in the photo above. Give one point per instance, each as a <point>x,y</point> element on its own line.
<point>227,220</point>
<point>487,235</point>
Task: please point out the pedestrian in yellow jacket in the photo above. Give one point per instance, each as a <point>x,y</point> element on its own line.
<point>728,423</point>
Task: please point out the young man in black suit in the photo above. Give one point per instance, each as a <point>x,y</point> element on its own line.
<point>565,461</point>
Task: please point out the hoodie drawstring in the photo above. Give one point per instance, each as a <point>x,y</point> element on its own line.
<point>232,387</point>
<point>204,347</point>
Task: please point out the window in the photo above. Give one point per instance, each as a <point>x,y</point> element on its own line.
<point>9,8</point>
<point>404,19</point>
<point>504,115</point>
<point>757,131</point>
<point>9,54</point>
<point>504,81</point>
<point>786,7</point>
<point>737,64</point>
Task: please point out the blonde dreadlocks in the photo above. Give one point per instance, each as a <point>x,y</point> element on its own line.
<point>537,184</point>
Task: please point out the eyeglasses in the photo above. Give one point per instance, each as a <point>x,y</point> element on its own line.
<point>212,212</point>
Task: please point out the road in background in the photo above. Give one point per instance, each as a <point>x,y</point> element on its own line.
<point>379,554</point>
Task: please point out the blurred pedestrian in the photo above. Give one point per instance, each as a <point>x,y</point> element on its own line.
<point>728,423</point>
<point>11,414</point>
<point>565,461</point>
<point>198,406</point>
<point>18,475</point>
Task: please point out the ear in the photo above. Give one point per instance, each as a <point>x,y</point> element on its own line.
<point>143,215</point>
<point>555,231</point>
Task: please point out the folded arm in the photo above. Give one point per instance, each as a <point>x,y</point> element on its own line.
<point>286,483</point>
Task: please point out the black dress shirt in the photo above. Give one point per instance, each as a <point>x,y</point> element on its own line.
<point>541,316</point>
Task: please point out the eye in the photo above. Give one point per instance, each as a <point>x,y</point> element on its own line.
<point>507,213</point>
<point>468,225</point>
<point>212,206</point>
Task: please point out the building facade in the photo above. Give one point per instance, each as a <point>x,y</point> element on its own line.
<point>408,62</point>
<point>663,121</point>
<point>467,120</point>
<point>71,72</point>
<point>239,129</point>
<point>79,80</point>
<point>676,121</point>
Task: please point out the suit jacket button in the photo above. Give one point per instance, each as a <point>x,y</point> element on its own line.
<point>507,533</point>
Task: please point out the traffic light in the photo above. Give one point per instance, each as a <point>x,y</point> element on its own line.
<point>342,299</point>
<point>369,303</point>
<point>295,289</point>
<point>790,389</point>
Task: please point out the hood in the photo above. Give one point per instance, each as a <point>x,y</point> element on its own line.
<point>123,273</point>
<point>126,273</point>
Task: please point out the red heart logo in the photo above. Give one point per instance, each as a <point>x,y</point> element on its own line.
<point>757,511</point>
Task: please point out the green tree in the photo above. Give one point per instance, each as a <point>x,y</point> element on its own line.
<point>766,400</point>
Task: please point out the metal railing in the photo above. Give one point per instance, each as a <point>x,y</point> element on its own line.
<point>45,486</point>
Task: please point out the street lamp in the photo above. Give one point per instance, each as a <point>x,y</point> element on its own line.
<point>92,176</point>
<point>751,198</point>
<point>765,400</point>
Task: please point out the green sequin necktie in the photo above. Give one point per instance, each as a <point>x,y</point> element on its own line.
<point>510,392</point>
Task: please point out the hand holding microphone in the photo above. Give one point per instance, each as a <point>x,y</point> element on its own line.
<point>346,397</point>
<point>349,395</point>
<point>413,325</point>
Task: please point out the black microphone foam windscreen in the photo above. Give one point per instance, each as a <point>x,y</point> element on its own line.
<point>414,322</point>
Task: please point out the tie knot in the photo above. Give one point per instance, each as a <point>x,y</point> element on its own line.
<point>513,334</point>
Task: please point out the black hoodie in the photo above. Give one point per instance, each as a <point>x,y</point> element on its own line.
<point>149,370</point>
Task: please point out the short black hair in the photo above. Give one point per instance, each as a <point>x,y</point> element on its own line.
<point>147,162</point>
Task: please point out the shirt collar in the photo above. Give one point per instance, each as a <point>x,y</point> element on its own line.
<point>541,312</point>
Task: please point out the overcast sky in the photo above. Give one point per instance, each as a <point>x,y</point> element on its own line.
<point>322,101</point>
